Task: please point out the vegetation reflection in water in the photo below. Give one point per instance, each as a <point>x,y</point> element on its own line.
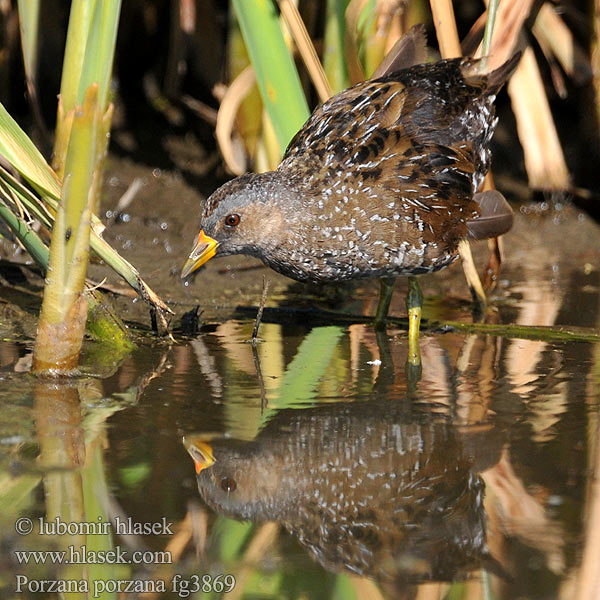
<point>483,467</point>
<point>349,479</point>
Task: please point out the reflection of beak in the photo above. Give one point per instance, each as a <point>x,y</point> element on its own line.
<point>203,251</point>
<point>201,453</point>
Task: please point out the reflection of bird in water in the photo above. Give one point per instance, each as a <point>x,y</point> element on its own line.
<point>366,487</point>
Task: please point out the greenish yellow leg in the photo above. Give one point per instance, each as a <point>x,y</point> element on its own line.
<point>414,304</point>
<point>385,297</point>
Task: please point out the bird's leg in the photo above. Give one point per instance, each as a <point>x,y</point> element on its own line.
<point>414,304</point>
<point>385,297</point>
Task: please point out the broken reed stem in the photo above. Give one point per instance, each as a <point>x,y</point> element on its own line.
<point>487,34</point>
<point>261,308</point>
<point>471,275</point>
<point>259,375</point>
<point>352,16</point>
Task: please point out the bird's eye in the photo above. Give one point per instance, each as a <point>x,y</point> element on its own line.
<point>232,220</point>
<point>228,485</point>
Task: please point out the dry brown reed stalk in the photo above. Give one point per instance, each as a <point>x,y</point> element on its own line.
<point>445,28</point>
<point>233,155</point>
<point>306,49</point>
<point>447,34</point>
<point>261,308</point>
<point>544,159</point>
<point>551,31</point>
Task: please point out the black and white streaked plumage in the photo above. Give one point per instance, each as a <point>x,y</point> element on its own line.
<point>380,181</point>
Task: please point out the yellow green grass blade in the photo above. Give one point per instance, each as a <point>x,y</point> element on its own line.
<point>14,189</point>
<point>25,158</point>
<point>303,374</point>
<point>29,16</point>
<point>21,153</point>
<point>89,51</point>
<point>276,73</point>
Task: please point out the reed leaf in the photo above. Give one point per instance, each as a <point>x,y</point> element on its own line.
<point>27,236</point>
<point>25,158</point>
<point>333,53</point>
<point>100,50</point>
<point>276,73</point>
<point>303,375</point>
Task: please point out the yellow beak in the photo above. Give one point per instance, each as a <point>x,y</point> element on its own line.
<point>201,453</point>
<point>203,251</point>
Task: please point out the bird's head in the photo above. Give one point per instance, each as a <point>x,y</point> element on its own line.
<point>241,217</point>
<point>235,478</point>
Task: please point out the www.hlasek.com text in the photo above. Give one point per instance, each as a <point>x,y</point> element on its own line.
<point>81,555</point>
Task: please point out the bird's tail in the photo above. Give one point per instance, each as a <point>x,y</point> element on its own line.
<point>492,82</point>
<point>495,216</point>
<point>498,77</point>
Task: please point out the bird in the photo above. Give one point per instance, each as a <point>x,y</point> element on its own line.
<point>381,181</point>
<point>378,489</point>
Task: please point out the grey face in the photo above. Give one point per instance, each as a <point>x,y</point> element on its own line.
<point>238,217</point>
<point>227,216</point>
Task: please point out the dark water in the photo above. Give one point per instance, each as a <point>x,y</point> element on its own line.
<point>325,469</point>
<point>481,474</point>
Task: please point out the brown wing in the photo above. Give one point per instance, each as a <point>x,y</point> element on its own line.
<point>390,143</point>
